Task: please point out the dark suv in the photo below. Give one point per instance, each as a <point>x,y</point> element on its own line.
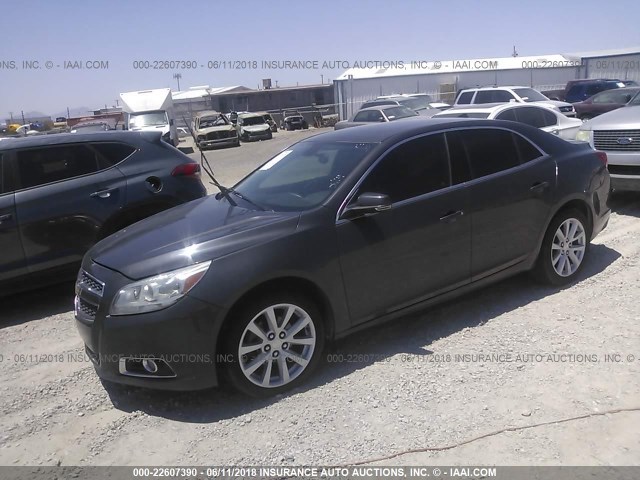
<point>579,90</point>
<point>59,194</point>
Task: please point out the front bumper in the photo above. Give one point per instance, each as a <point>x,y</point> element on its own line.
<point>217,142</point>
<point>181,339</point>
<point>249,136</point>
<point>625,183</point>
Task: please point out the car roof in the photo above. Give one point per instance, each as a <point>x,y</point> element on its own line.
<point>64,138</point>
<point>491,107</point>
<point>495,87</point>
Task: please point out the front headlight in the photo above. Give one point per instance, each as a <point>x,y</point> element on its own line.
<point>583,135</point>
<point>158,292</point>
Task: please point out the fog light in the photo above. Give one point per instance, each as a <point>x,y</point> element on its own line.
<point>149,365</point>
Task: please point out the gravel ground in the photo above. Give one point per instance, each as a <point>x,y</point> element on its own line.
<point>533,355</point>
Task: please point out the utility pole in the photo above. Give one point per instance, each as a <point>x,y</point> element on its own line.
<point>515,52</point>
<point>23,120</point>
<point>177,76</point>
<point>11,116</point>
<point>321,79</point>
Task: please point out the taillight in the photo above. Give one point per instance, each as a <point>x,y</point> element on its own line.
<point>603,157</point>
<point>186,169</point>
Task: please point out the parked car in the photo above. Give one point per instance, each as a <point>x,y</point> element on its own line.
<point>269,119</point>
<point>61,193</point>
<point>417,101</point>
<point>604,102</point>
<point>382,113</point>
<point>253,126</point>
<point>618,134</point>
<point>472,96</point>
<point>336,233</point>
<point>293,120</point>
<point>537,115</point>
<point>420,106</point>
<point>89,127</point>
<point>579,90</point>
<point>213,129</point>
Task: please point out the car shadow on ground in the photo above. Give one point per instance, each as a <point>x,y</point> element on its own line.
<point>407,335</point>
<point>36,304</point>
<point>625,203</point>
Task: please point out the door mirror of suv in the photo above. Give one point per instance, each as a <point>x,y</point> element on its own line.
<point>367,203</point>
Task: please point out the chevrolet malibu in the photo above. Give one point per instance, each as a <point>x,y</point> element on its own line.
<point>338,232</point>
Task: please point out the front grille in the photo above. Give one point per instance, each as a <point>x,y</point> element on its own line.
<point>624,169</point>
<point>87,310</point>
<point>617,140</point>
<point>92,284</point>
<point>219,135</point>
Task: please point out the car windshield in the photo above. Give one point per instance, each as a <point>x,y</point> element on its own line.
<point>395,113</point>
<point>208,122</point>
<point>303,176</point>
<point>147,119</point>
<point>253,121</point>
<point>530,95</point>
<point>415,103</point>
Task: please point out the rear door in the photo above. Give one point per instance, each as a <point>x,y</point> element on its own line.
<point>510,195</point>
<point>12,262</point>
<point>65,194</point>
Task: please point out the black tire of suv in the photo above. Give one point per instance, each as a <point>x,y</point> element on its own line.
<point>240,320</point>
<point>543,270</point>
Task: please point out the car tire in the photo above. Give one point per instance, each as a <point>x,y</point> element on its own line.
<point>559,262</point>
<point>261,353</point>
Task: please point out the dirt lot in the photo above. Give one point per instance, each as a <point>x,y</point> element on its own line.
<point>512,355</point>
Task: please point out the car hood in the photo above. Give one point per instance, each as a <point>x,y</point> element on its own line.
<point>256,128</point>
<point>197,231</point>
<point>620,119</point>
<point>219,128</point>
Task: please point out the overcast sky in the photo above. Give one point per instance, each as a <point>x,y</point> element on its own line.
<point>121,32</point>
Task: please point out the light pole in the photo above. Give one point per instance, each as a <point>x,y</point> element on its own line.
<point>177,76</point>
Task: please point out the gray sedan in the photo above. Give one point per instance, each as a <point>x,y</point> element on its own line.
<point>378,114</point>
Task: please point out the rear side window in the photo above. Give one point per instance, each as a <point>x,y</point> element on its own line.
<point>489,150</point>
<point>40,166</point>
<point>113,152</point>
<point>412,169</point>
<point>527,151</point>
<point>465,98</point>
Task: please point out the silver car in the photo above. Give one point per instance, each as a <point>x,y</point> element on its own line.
<point>382,113</point>
<point>618,134</point>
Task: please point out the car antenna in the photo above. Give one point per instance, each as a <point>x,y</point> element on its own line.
<point>206,166</point>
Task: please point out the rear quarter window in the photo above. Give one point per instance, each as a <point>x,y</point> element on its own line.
<point>112,153</point>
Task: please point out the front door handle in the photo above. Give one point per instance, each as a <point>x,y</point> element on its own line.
<point>539,187</point>
<point>5,218</point>
<point>450,217</point>
<point>106,193</point>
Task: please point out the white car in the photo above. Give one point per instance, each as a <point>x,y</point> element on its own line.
<point>540,116</point>
<point>483,95</point>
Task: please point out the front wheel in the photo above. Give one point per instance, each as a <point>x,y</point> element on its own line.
<point>564,248</point>
<point>274,344</point>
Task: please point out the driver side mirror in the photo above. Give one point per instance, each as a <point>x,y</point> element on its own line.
<point>367,203</point>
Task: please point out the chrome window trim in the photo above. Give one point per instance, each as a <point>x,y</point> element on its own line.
<point>354,189</point>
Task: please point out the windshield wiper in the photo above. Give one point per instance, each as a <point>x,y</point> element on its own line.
<point>206,166</point>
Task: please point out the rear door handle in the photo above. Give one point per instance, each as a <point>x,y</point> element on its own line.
<point>4,218</point>
<point>539,187</point>
<point>451,216</point>
<point>106,193</point>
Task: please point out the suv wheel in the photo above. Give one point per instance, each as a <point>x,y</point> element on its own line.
<point>275,343</point>
<point>564,248</point>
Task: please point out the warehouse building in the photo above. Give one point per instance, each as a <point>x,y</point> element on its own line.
<point>442,79</point>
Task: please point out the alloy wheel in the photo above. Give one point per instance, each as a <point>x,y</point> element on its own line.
<point>568,247</point>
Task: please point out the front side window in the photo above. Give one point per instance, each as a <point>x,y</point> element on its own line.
<point>412,169</point>
<point>489,150</point>
<point>39,166</point>
<point>493,96</point>
<point>303,176</point>
<point>362,117</point>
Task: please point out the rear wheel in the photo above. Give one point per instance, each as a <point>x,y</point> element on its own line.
<point>275,343</point>
<point>564,248</point>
